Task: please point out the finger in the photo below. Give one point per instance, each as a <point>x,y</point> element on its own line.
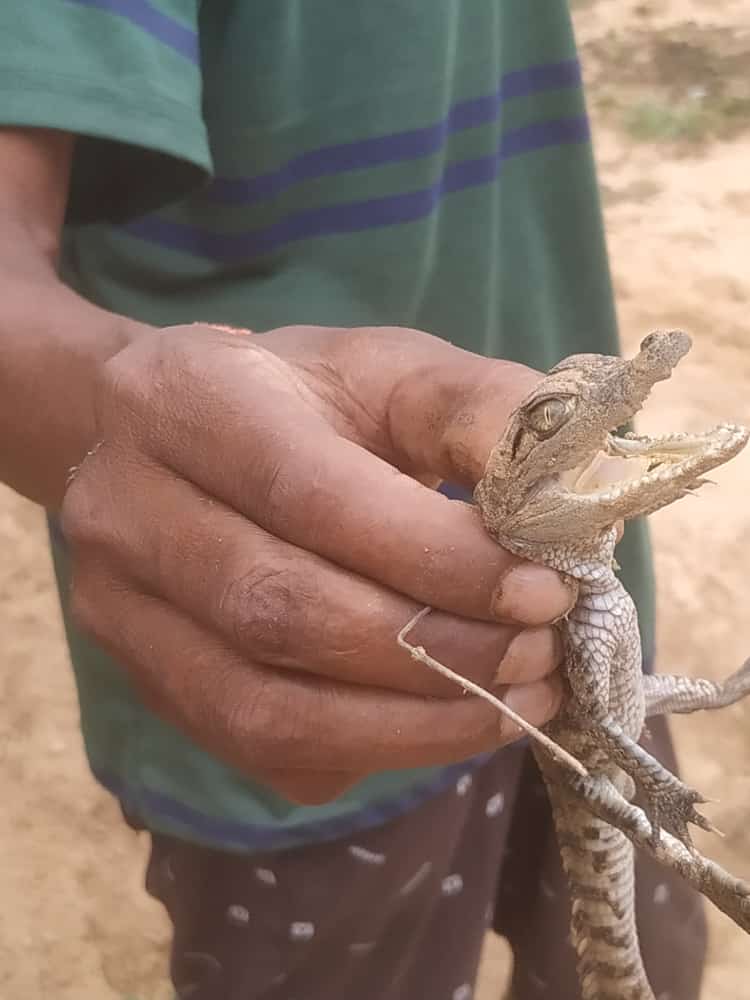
<point>259,719</point>
<point>310,788</point>
<point>284,467</point>
<point>449,408</point>
<point>414,399</point>
<point>283,606</point>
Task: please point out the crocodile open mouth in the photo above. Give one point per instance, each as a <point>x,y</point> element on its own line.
<point>629,462</point>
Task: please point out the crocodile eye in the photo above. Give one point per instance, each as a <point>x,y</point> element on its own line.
<point>548,415</point>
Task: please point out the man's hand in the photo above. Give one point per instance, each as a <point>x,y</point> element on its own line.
<point>253,531</point>
<point>243,541</point>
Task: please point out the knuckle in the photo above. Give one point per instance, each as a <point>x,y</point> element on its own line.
<point>279,494</point>
<point>87,516</point>
<point>265,722</point>
<point>282,493</point>
<point>260,606</point>
<point>136,382</point>
<point>80,521</point>
<point>264,730</point>
<point>275,488</point>
<point>122,380</point>
<point>85,605</point>
<point>271,724</point>
<point>73,517</point>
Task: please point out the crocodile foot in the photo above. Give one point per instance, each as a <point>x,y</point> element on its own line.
<point>670,804</point>
<point>666,800</point>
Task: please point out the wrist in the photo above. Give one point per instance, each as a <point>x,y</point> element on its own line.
<point>54,344</point>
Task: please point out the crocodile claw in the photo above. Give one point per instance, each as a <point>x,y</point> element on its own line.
<point>672,807</point>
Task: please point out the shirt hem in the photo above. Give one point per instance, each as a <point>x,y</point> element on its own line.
<point>160,813</point>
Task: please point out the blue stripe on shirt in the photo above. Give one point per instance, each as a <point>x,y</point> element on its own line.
<point>357,216</point>
<point>398,146</point>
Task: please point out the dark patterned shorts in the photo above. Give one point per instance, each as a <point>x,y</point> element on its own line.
<point>399,912</point>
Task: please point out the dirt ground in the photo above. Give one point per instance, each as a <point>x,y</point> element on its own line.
<point>671,110</point>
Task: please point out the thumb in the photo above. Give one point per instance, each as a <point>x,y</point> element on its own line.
<point>428,407</point>
<point>445,418</point>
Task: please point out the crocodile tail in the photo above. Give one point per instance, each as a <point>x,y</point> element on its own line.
<point>599,865</point>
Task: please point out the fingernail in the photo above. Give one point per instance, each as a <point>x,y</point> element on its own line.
<point>530,656</point>
<point>537,703</point>
<point>531,594</point>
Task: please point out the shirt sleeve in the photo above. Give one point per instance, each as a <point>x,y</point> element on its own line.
<point>125,76</point>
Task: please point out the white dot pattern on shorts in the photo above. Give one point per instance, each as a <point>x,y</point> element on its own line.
<point>266,876</point>
<point>462,992</point>
<point>361,948</point>
<point>661,894</point>
<point>464,784</point>
<point>238,915</point>
<point>495,804</point>
<point>452,885</point>
<point>301,930</point>
<point>416,880</point>
<point>364,854</point>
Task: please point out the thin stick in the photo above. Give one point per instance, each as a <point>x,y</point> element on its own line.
<point>420,653</point>
<point>731,895</point>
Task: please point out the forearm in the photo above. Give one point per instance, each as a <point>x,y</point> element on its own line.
<point>53,343</point>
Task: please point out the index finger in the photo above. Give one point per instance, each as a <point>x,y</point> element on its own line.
<point>251,436</point>
<point>257,718</point>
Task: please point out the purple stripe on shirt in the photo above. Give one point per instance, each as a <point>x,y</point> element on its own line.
<point>356,216</point>
<point>407,145</point>
<point>154,22</point>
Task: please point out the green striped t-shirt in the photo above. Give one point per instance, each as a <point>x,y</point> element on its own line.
<point>422,163</point>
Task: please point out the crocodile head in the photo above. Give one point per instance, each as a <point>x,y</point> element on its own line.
<point>561,474</point>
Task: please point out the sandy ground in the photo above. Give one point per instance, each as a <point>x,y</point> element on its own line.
<point>673,142</point>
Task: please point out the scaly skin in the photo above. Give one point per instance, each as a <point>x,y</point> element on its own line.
<point>555,484</point>
<point>598,859</point>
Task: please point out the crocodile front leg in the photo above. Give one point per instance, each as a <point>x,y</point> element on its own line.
<point>608,703</point>
<point>668,801</point>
